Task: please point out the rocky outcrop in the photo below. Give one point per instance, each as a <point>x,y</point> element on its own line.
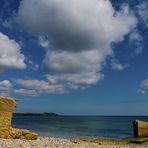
<point>6,131</point>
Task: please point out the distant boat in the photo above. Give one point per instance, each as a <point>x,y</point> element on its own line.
<point>140,128</point>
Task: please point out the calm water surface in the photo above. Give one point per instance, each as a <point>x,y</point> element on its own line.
<point>78,126</point>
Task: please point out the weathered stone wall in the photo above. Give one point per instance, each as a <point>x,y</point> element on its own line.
<point>6,131</point>
<point>140,128</point>
<point>5,119</point>
<point>6,109</point>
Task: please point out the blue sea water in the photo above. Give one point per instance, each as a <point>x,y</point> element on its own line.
<point>79,126</point>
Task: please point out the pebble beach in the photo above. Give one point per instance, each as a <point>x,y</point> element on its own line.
<point>50,142</point>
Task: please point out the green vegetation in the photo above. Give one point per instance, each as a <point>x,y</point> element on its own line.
<point>137,139</point>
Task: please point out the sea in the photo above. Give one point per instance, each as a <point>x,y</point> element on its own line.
<point>118,127</point>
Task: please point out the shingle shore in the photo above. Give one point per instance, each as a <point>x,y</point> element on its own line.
<point>50,142</point>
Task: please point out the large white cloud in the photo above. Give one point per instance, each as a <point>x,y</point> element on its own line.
<point>76,81</point>
<point>80,33</point>
<point>10,55</point>
<point>77,68</point>
<point>75,62</point>
<point>76,24</point>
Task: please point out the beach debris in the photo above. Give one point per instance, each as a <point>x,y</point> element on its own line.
<point>7,106</point>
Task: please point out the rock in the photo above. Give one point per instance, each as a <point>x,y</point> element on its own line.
<point>6,131</point>
<point>30,136</point>
<point>18,134</point>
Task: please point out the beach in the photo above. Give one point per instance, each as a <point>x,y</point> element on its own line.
<point>50,142</point>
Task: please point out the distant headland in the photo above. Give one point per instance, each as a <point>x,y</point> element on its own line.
<point>36,114</point>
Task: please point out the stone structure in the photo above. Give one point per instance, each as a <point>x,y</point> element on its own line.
<point>6,131</point>
<point>140,128</point>
<point>6,109</point>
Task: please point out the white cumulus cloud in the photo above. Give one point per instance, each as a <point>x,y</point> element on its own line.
<point>80,33</point>
<point>37,87</point>
<point>26,92</point>
<point>76,24</point>
<point>78,68</point>
<point>10,55</point>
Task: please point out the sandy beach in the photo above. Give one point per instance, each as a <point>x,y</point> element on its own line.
<point>50,142</point>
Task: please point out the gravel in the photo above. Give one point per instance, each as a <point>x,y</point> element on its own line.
<point>49,142</point>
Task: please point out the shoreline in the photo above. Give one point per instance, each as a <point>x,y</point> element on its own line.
<point>51,142</point>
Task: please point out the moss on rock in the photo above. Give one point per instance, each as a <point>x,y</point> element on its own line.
<point>14,133</point>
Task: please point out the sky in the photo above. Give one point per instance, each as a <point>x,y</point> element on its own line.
<point>75,57</point>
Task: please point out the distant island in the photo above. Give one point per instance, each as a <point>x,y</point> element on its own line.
<point>36,114</point>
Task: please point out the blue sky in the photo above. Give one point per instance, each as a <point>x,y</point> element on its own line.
<point>75,57</point>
